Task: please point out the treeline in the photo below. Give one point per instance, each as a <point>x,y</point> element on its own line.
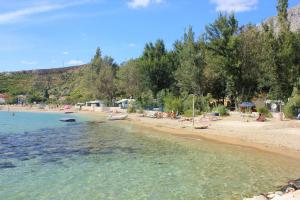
<point>227,61</point>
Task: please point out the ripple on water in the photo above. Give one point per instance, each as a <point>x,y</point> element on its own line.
<point>111,161</point>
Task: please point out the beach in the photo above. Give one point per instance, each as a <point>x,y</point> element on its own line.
<point>281,137</point>
<point>276,136</point>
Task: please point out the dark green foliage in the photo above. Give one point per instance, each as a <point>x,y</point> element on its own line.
<point>156,67</point>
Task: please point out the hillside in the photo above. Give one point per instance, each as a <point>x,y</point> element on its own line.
<point>293,17</point>
<point>57,82</point>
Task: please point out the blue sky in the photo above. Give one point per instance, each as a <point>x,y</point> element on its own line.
<point>52,33</point>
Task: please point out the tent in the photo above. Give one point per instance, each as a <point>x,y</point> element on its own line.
<point>247,105</point>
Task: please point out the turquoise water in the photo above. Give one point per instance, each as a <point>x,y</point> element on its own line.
<point>42,158</point>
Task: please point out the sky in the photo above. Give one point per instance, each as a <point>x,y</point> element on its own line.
<point>37,34</point>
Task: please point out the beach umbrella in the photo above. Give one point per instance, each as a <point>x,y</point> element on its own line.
<point>247,105</point>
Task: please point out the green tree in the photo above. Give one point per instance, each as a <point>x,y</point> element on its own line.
<point>222,43</point>
<point>189,74</point>
<point>129,78</point>
<point>157,67</point>
<point>105,84</point>
<point>282,6</point>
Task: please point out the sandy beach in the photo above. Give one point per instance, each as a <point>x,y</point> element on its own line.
<point>282,137</point>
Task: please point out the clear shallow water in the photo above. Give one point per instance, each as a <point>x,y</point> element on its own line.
<point>85,160</point>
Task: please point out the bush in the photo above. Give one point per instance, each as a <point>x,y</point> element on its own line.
<point>173,104</point>
<point>265,111</point>
<point>147,99</point>
<point>141,111</point>
<point>290,107</point>
<point>189,113</point>
<point>222,110</point>
<point>131,109</point>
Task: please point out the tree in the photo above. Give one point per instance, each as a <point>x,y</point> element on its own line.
<point>189,74</point>
<point>282,6</point>
<point>105,83</point>
<point>249,56</point>
<point>281,56</point>
<point>221,42</point>
<point>130,81</point>
<point>99,77</point>
<point>157,67</point>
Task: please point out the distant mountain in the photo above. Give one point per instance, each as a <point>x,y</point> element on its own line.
<point>293,17</point>
<point>47,71</point>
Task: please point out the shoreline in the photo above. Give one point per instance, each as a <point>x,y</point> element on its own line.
<point>192,134</point>
<point>281,138</point>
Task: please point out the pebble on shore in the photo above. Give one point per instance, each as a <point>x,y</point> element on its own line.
<point>288,192</point>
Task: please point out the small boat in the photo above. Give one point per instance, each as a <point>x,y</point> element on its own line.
<point>67,120</point>
<point>117,117</point>
<point>69,112</point>
<point>201,127</point>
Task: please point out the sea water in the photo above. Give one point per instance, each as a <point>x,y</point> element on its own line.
<point>43,158</point>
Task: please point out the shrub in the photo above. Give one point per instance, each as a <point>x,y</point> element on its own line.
<point>173,104</point>
<point>189,113</point>
<point>147,99</point>
<point>131,109</point>
<point>141,111</point>
<point>290,107</point>
<point>265,111</point>
<point>201,104</point>
<point>222,110</point>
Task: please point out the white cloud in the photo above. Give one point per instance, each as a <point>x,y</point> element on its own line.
<point>131,45</point>
<point>36,8</point>
<point>75,62</point>
<point>65,53</point>
<point>26,62</point>
<point>142,3</point>
<point>235,5</point>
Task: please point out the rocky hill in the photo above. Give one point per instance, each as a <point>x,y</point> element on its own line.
<point>293,17</point>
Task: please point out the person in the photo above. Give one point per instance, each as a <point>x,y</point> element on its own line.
<point>261,118</point>
<point>298,118</point>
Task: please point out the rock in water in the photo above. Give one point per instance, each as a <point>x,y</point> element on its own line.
<point>295,184</point>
